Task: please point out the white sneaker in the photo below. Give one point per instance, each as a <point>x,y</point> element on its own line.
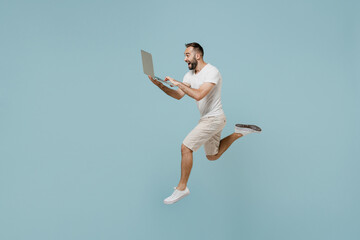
<point>176,196</point>
<point>246,129</point>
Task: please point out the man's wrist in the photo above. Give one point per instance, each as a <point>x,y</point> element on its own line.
<point>161,86</point>
<point>181,86</point>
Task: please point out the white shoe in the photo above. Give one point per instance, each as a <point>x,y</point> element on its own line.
<point>246,129</point>
<point>176,196</point>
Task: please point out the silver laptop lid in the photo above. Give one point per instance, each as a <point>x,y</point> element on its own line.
<point>149,67</point>
<point>147,62</point>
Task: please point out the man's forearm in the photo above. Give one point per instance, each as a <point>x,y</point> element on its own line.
<point>171,92</point>
<point>193,93</point>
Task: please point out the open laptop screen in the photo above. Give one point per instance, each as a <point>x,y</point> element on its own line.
<point>148,67</point>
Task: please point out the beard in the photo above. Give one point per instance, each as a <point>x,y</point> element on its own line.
<point>193,63</point>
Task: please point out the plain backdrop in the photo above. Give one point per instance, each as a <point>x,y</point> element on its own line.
<point>89,147</point>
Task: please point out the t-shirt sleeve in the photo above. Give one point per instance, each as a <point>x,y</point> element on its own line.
<point>213,77</point>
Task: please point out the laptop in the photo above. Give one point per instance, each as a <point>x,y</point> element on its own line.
<point>148,67</point>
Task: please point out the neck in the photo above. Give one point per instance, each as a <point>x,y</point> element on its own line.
<point>201,64</point>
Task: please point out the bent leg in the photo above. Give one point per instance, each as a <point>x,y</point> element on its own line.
<point>225,143</point>
<point>186,165</point>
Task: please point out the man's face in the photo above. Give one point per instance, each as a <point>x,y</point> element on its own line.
<point>190,58</point>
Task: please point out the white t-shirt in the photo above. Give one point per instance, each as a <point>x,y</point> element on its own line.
<point>210,105</point>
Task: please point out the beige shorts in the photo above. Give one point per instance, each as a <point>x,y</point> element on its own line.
<point>207,133</point>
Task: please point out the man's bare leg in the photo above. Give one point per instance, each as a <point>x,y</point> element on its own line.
<point>186,165</point>
<point>225,143</point>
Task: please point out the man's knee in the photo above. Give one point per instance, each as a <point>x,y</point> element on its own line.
<point>212,157</point>
<point>185,149</point>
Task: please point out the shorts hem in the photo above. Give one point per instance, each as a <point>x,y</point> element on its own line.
<point>191,148</point>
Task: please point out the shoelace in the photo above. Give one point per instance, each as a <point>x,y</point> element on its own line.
<point>173,194</point>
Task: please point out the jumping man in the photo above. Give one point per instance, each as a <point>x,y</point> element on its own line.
<point>202,83</point>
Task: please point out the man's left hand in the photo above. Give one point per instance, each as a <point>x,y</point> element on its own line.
<point>173,81</point>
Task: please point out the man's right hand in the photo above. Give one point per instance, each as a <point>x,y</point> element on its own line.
<point>177,94</point>
<point>157,83</point>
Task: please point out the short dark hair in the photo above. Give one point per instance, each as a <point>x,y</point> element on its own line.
<point>196,46</point>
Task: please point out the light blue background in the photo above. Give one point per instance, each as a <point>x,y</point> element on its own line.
<point>89,148</point>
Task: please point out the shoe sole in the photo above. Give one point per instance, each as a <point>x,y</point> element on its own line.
<point>253,127</point>
<point>168,203</point>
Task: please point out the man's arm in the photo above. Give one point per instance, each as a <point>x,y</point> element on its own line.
<point>177,94</point>
<point>196,94</point>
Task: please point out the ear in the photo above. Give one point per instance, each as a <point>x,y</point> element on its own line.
<point>197,56</point>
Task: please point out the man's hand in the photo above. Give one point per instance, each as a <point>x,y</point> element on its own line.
<point>173,81</point>
<point>177,94</point>
<point>157,83</point>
